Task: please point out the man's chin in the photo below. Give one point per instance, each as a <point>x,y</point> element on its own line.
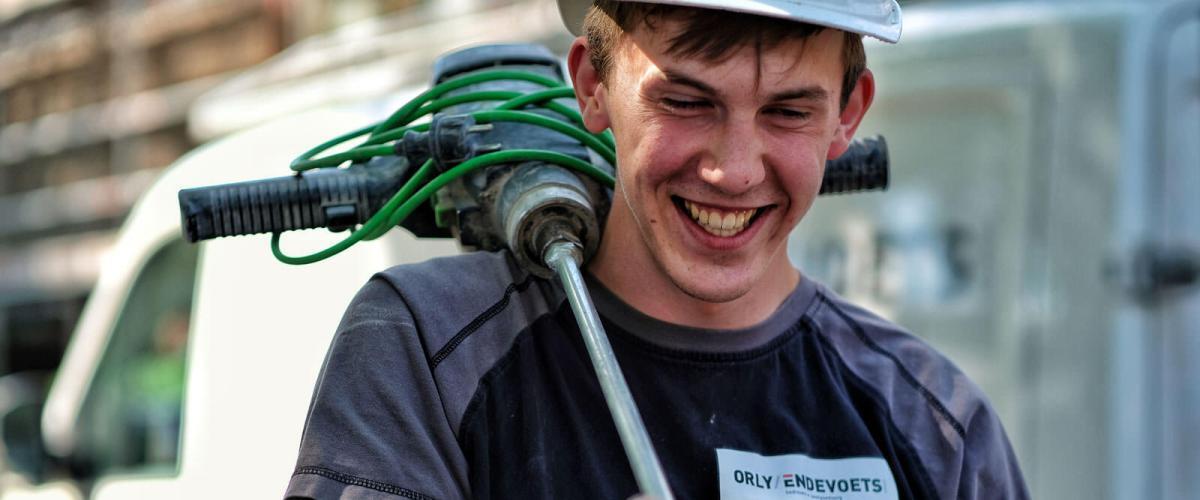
<point>715,291</point>
<point>714,282</point>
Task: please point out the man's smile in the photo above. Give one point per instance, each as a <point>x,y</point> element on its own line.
<point>717,221</point>
<point>719,159</point>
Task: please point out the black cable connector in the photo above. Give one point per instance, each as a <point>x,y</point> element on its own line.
<point>451,140</point>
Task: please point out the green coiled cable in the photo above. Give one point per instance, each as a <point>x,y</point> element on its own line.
<point>419,188</point>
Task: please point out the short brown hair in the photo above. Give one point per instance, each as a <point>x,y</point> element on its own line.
<point>709,34</point>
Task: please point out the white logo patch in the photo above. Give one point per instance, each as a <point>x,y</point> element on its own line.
<point>747,475</point>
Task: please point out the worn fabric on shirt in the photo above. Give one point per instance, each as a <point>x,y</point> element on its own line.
<point>465,377</point>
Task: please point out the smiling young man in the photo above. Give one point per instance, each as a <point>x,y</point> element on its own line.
<point>722,143</point>
<point>753,380</point>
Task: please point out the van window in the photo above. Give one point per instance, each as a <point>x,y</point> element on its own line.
<point>130,420</point>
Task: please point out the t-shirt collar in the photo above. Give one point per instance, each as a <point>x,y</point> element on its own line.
<point>679,337</point>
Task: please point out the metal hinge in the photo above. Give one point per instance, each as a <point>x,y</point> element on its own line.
<point>1161,270</point>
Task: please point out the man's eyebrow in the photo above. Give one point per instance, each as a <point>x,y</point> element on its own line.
<point>811,93</point>
<point>681,79</point>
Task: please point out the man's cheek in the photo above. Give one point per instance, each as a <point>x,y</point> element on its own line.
<point>653,161</point>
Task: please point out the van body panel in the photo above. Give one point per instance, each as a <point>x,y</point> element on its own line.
<point>259,328</point>
<point>1034,151</point>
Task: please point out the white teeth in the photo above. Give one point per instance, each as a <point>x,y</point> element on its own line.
<point>727,224</point>
<point>716,223</point>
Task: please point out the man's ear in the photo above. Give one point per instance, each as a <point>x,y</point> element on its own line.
<point>852,115</point>
<point>589,90</point>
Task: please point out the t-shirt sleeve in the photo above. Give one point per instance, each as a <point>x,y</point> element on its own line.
<point>990,469</point>
<point>376,427</point>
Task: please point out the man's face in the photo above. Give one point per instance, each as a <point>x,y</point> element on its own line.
<point>718,161</point>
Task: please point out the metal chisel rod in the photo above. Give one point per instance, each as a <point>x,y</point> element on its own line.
<point>564,257</point>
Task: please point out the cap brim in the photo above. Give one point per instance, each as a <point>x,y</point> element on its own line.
<point>885,29</point>
<point>573,12</point>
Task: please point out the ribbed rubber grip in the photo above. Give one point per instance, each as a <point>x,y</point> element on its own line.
<point>863,167</point>
<point>332,198</point>
<point>342,198</point>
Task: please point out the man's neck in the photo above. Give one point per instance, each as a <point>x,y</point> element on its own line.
<point>639,282</point>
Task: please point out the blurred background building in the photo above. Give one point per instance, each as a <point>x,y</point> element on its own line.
<point>94,100</point>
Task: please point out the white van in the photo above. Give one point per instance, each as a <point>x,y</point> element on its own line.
<point>241,333</point>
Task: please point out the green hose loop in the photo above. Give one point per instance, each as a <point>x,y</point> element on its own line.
<point>397,134</point>
<point>556,125</point>
<point>333,160</point>
<point>420,188</point>
<point>394,215</point>
<point>402,115</point>
<point>555,93</point>
<point>413,107</point>
<point>445,102</point>
<point>318,149</point>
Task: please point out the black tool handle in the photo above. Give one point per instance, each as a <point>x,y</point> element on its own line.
<point>332,198</point>
<point>863,167</point>
<point>339,199</point>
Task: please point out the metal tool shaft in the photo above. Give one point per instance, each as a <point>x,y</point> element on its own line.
<point>564,257</point>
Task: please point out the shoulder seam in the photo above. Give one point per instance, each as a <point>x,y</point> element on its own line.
<point>497,369</point>
<point>365,483</point>
<point>901,440</point>
<point>930,398</point>
<point>478,322</point>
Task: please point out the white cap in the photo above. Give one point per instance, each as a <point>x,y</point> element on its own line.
<point>875,18</point>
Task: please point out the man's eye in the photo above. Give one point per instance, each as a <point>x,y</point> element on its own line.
<point>789,114</point>
<point>684,104</point>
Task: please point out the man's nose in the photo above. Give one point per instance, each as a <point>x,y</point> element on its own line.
<point>737,161</point>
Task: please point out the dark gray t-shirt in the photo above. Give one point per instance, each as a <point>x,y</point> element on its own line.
<point>466,377</point>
